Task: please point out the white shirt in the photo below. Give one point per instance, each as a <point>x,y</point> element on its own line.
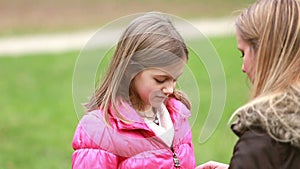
<point>165,129</point>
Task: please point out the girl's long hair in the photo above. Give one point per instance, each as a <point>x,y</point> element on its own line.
<point>150,40</point>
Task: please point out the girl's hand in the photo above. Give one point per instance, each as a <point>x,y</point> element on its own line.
<point>213,165</point>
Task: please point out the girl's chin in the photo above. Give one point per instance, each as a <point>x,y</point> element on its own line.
<point>157,103</point>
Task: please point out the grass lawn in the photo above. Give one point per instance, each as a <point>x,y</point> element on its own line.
<point>38,120</point>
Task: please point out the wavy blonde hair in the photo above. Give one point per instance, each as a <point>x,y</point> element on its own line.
<point>272,29</point>
<point>150,40</point>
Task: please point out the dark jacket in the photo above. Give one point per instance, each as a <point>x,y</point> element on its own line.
<point>255,149</point>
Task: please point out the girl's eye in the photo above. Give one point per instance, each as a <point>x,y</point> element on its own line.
<point>242,54</point>
<point>160,80</point>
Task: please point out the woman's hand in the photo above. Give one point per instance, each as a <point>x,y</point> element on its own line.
<point>212,165</point>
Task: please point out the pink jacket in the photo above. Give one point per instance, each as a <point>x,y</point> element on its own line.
<point>132,145</point>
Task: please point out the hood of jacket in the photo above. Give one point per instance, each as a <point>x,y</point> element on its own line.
<point>277,114</point>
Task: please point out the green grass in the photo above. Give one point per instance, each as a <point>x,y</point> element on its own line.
<point>38,119</point>
<point>219,146</point>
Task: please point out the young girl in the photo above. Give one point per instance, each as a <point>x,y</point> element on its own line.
<point>136,118</point>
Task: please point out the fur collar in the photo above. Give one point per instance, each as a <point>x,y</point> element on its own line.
<point>277,114</point>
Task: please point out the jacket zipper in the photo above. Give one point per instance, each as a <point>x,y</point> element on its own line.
<point>175,158</point>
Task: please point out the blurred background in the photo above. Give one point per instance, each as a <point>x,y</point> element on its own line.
<point>38,120</point>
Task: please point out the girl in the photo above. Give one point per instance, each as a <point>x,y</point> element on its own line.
<point>268,36</point>
<point>136,118</point>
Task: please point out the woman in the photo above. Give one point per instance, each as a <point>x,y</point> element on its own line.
<point>268,126</point>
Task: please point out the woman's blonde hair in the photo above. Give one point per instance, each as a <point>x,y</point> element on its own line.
<point>150,40</point>
<point>272,29</point>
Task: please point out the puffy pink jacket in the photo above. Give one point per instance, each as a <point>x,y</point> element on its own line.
<point>132,145</point>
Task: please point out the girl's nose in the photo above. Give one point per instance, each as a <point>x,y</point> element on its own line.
<point>168,89</point>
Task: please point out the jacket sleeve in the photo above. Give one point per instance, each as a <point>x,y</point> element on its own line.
<point>254,150</point>
<point>88,154</point>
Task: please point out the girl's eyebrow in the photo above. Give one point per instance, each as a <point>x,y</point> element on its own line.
<point>165,76</point>
<point>168,76</point>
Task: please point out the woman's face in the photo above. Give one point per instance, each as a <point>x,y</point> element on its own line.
<point>248,56</point>
<point>154,85</point>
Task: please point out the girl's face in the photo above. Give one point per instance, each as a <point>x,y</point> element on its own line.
<point>248,56</point>
<point>154,85</point>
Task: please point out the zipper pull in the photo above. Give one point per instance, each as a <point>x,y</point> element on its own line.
<point>175,158</point>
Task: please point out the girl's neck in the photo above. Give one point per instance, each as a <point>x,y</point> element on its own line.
<point>149,113</point>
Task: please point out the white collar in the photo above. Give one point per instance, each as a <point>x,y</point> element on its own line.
<point>165,129</point>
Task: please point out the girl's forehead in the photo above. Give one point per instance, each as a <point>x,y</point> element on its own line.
<point>174,70</point>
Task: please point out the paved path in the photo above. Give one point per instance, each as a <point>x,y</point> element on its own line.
<point>14,46</point>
